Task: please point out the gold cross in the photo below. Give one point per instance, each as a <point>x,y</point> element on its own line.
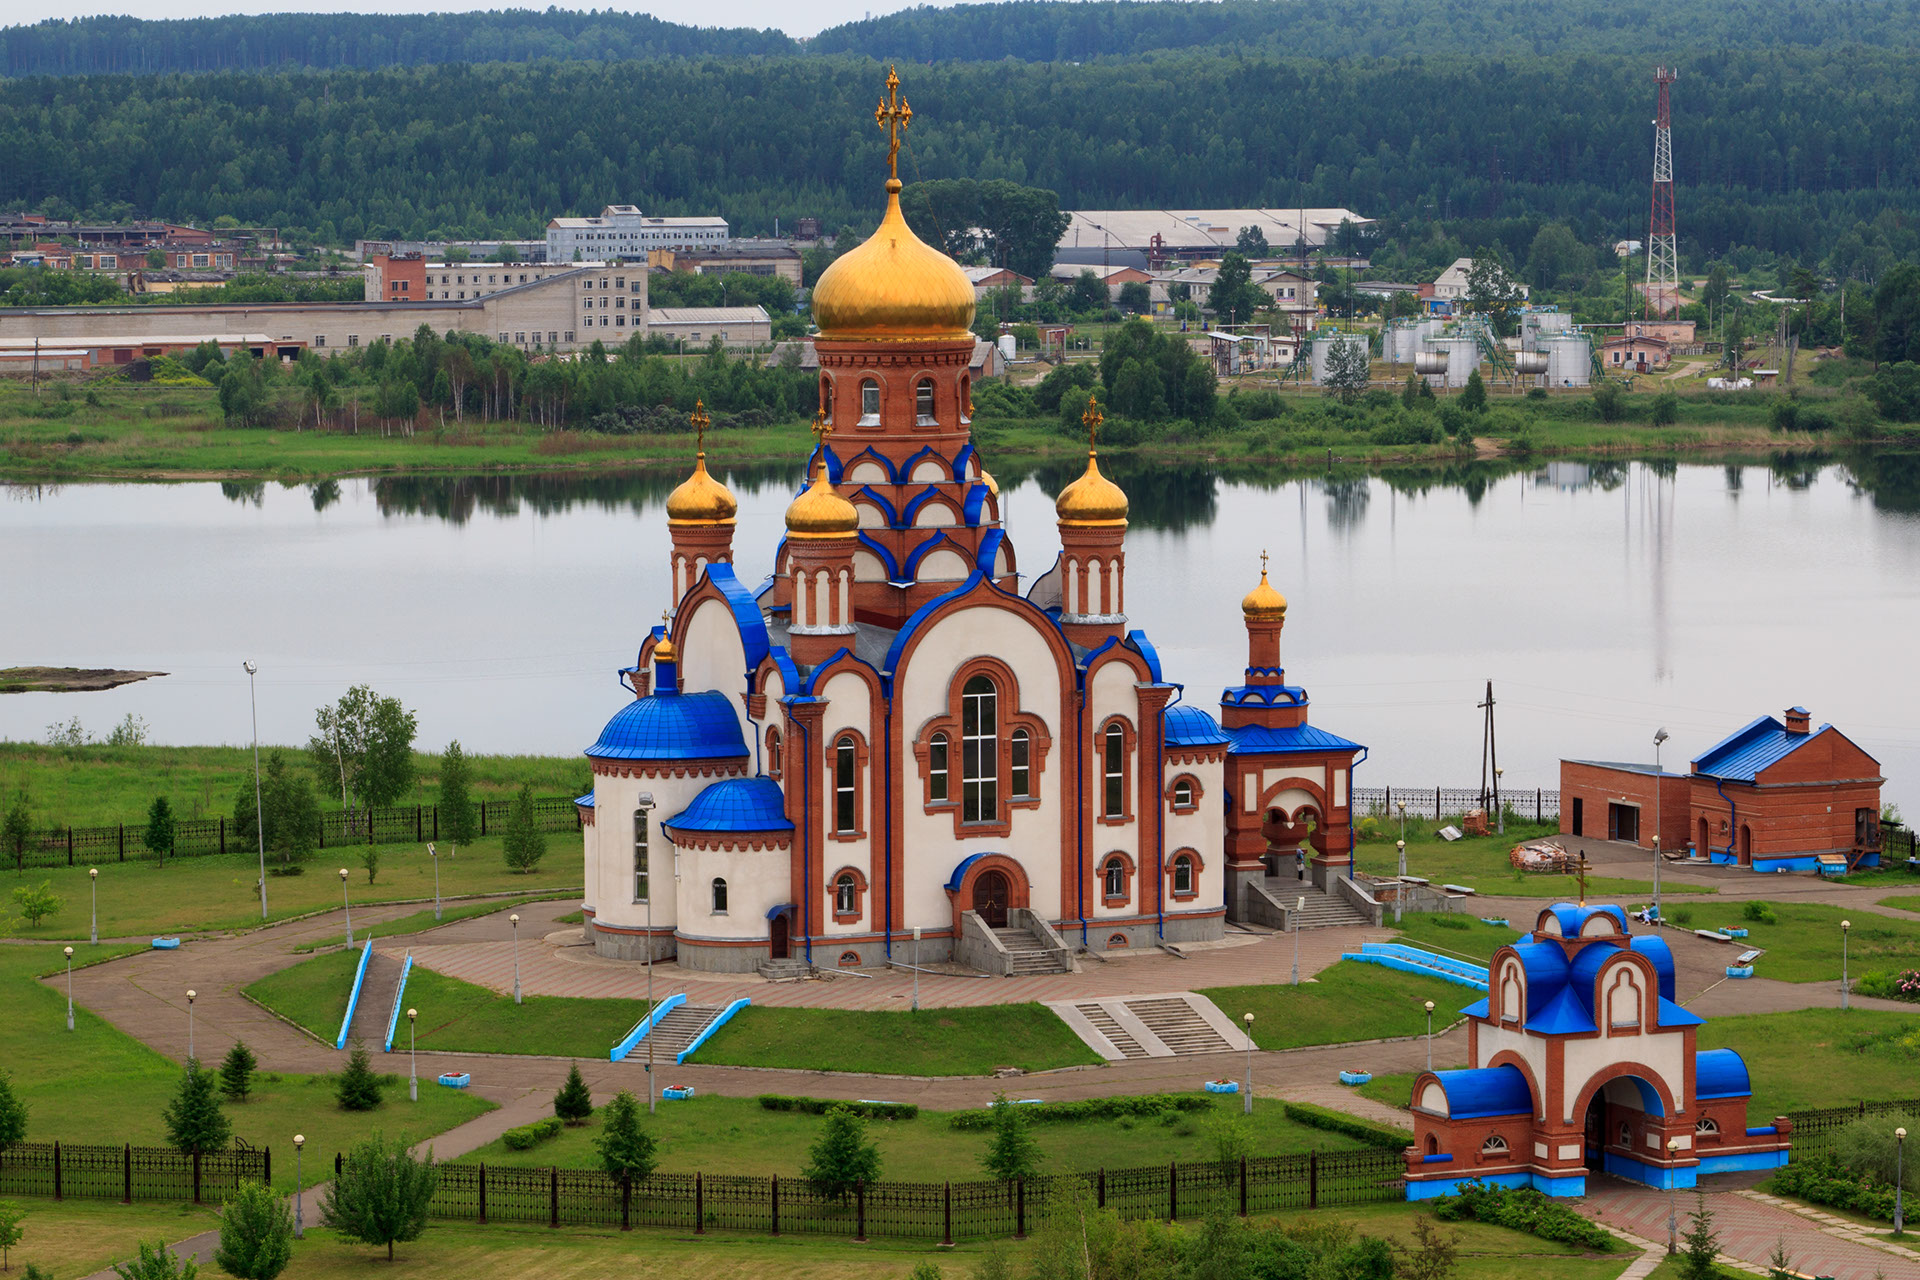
<point>700,422</point>
<point>1263,562</point>
<point>894,115</point>
<point>1091,420</point>
<point>821,427</point>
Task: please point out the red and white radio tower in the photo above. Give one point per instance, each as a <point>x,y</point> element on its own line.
<point>1663,256</point>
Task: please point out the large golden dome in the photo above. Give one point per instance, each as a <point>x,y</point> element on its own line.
<point>1092,499</point>
<point>820,512</point>
<point>894,288</point>
<point>1263,603</point>
<point>700,499</point>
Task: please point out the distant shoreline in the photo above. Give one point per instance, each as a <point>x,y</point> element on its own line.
<point>68,679</point>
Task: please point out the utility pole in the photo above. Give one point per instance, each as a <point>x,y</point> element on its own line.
<point>1663,258</point>
<point>1489,753</point>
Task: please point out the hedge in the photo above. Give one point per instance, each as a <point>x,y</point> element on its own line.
<point>1145,1104</point>
<point>1821,1179</point>
<point>820,1107</point>
<point>1375,1135</point>
<point>529,1135</point>
<point>1522,1209</point>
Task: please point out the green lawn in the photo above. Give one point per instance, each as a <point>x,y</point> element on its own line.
<point>69,1239</point>
<point>144,899</point>
<point>454,1015</point>
<point>1350,1001</point>
<point>1803,945</point>
<point>737,1135</point>
<point>1902,902</point>
<point>932,1042</point>
<point>422,921</point>
<point>97,1084</point>
<point>1480,863</point>
<point>1463,936</point>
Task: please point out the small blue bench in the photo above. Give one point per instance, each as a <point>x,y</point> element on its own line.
<point>1739,971</point>
<point>1735,933</point>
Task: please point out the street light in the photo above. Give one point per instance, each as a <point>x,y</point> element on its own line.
<point>413,1066</point>
<point>1399,892</point>
<point>1429,1035</point>
<point>432,853</point>
<point>93,878</point>
<point>190,995</point>
<point>643,824</point>
<point>259,821</point>
<point>1659,736</point>
<point>514,920</point>
<point>1248,1019</point>
<point>1499,805</point>
<point>1899,1177</point>
<point>299,1216</point>
<point>1673,1217</point>
<point>347,904</point>
<point>1299,910</point>
<point>69,988</point>
<point>1846,926</point>
<point>916,968</point>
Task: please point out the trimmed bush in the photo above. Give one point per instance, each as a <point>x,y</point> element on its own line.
<point>1146,1104</point>
<point>1378,1135</point>
<point>531,1135</point>
<point>1821,1179</point>
<point>1522,1209</point>
<point>820,1107</point>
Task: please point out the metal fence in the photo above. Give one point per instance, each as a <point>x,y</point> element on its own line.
<point>1813,1130</point>
<point>66,846</point>
<point>128,1173</point>
<point>946,1211</point>
<point>1451,802</point>
<point>1897,842</point>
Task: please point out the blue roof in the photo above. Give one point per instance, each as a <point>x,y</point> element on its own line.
<point>745,609</point>
<point>1256,739</point>
<point>1759,746</point>
<point>1264,695</point>
<point>672,726</point>
<point>585,801</point>
<point>735,804</point>
<point>1720,1073</point>
<point>1486,1091</point>
<point>1573,918</point>
<point>1192,727</point>
<point>1560,991</point>
<point>1660,954</point>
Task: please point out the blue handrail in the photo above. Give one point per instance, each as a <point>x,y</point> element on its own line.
<point>711,1027</point>
<point>640,1028</point>
<point>353,997</point>
<point>399,998</point>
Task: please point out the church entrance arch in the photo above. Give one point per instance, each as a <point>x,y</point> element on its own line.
<point>990,897</point>
<point>777,937</point>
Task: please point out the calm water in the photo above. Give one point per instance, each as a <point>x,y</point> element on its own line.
<point>1603,601</point>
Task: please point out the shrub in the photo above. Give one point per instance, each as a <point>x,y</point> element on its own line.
<point>1821,1179</point>
<point>1521,1209</point>
<point>531,1135</point>
<point>1379,1135</point>
<point>256,1234</point>
<point>157,1262</point>
<point>1904,985</point>
<point>1666,409</point>
<point>382,1193</point>
<point>1145,1104</point>
<point>842,1157</point>
<point>1681,915</point>
<point>1759,913</point>
<point>1011,1152</point>
<point>574,1102</point>
<point>358,1089</point>
<point>13,1114</point>
<point>820,1107</point>
<point>36,905</point>
<point>627,1152</point>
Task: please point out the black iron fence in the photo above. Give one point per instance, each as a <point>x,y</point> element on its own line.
<point>946,1211</point>
<point>1897,842</point>
<point>128,1173</point>
<point>1451,802</point>
<point>1813,1130</point>
<point>67,846</point>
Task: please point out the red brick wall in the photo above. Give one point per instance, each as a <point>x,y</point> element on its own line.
<point>1802,805</point>
<point>1597,787</point>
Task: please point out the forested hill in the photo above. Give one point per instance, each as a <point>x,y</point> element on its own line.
<point>1024,30</point>
<point>108,45</point>
<point>1781,151</point>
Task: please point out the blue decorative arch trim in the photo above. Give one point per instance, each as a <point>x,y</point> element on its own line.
<point>918,501</point>
<point>746,612</point>
<point>1138,642</point>
<point>960,461</point>
<point>868,455</point>
<point>919,553</point>
<point>960,872</point>
<point>1093,655</point>
<point>834,467</point>
<point>975,504</point>
<point>886,557</point>
<point>905,474</point>
<point>789,673</point>
<point>924,612</point>
<point>813,680</point>
<point>766,583</point>
<point>989,551</point>
<point>886,508</point>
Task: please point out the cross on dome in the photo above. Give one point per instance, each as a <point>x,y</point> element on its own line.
<point>893,115</point>
<point>700,422</point>
<point>1092,419</point>
<point>700,499</point>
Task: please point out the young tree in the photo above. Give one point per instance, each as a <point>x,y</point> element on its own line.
<point>256,1234</point>
<point>457,819</point>
<point>370,859</point>
<point>18,827</point>
<point>1252,241</point>
<point>160,827</point>
<point>1136,296</point>
<point>842,1157</point>
<point>157,1262</point>
<point>574,1102</point>
<point>1473,396</point>
<point>195,1122</point>
<point>365,742</point>
<point>11,1215</point>
<point>1435,1255</point>
<point>1348,372</point>
<point>1491,291</point>
<point>524,843</point>
<point>358,1089</point>
<point>1011,1151</point>
<point>1410,394</point>
<point>36,904</point>
<point>1087,292</point>
<point>1234,297</point>
<point>236,1072</point>
<point>1702,1242</point>
<point>382,1193</point>
<point>626,1150</point>
<point>13,1114</point>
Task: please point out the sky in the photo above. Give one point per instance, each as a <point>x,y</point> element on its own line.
<point>795,17</point>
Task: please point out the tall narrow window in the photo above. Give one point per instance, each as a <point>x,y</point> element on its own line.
<point>979,752</point>
<point>719,896</point>
<point>1183,794</point>
<point>845,796</point>
<point>846,895</point>
<point>1182,875</point>
<point>639,855</point>
<point>773,754</point>
<point>1113,758</point>
<point>869,403</point>
<point>937,792</point>
<point>1116,876</point>
<point>1020,766</point>
<point>923,402</point>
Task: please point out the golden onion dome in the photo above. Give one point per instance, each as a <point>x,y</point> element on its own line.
<point>664,650</point>
<point>700,499</point>
<point>820,512</point>
<point>986,478</point>
<point>1263,603</point>
<point>893,288</point>
<point>1092,500</point>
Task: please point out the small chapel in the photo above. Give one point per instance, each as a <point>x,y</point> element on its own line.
<point>889,734</point>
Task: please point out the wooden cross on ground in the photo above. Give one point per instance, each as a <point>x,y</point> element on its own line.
<point>893,115</point>
<point>1580,869</point>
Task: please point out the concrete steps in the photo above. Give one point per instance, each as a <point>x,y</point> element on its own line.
<point>1027,954</point>
<point>369,1029</point>
<point>1323,910</point>
<point>1106,1025</point>
<point>1173,1024</point>
<point>781,970</point>
<point>1177,1025</point>
<point>676,1031</point>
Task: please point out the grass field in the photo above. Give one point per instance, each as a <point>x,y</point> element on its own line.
<point>1480,863</point>
<point>450,912</point>
<point>932,1042</point>
<point>1803,945</point>
<point>1903,902</point>
<point>1459,934</point>
<point>738,1135</point>
<point>97,1084</point>
<point>142,899</point>
<point>73,1238</point>
<point>1350,1001</point>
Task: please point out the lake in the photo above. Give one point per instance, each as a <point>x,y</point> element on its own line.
<point>1604,600</point>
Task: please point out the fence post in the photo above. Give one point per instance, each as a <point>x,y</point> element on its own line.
<point>56,1172</point>
<point>1539,809</point>
<point>553,1195</point>
<point>1313,1179</point>
<point>417,836</point>
<point>266,1172</point>
<point>860,1209</point>
<point>123,842</point>
<point>699,1188</point>
<point>436,822</point>
<point>126,1174</point>
<point>223,833</point>
<point>196,1177</point>
<point>1436,804</point>
<point>1103,1187</point>
<point>483,817</point>
<point>1020,1209</point>
<point>775,1185</point>
<point>1173,1192</point>
<point>483,1190</point>
<point>626,1202</point>
<point>1243,1186</point>
<point>947,1238</point>
<point>69,846</point>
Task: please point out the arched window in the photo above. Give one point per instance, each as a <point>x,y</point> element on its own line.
<point>846,894</point>
<point>1707,1125</point>
<point>1113,772</point>
<point>966,398</point>
<point>1020,766</point>
<point>1626,1135</point>
<point>979,751</point>
<point>773,754</point>
<point>923,402</point>
<point>937,792</point>
<point>1183,793</point>
<point>719,896</point>
<point>640,843</point>
<point>846,796</point>
<point>826,398</point>
<point>1183,876</point>
<point>1494,1146</point>
<point>869,403</point>
<point>1115,877</point>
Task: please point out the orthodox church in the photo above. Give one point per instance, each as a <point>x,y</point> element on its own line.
<point>899,738</point>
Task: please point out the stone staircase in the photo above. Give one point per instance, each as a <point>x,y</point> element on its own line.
<point>1178,1025</point>
<point>1029,954</point>
<point>1107,1025</point>
<point>1323,910</point>
<point>784,969</point>
<point>680,1028</point>
<point>1168,1025</point>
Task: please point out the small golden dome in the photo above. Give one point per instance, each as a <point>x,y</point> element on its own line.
<point>1092,499</point>
<point>1263,603</point>
<point>894,288</point>
<point>700,499</point>
<point>664,651</point>
<point>820,512</point>
<point>986,478</point>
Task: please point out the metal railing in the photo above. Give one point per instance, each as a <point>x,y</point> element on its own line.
<point>128,1173</point>
<point>1452,802</point>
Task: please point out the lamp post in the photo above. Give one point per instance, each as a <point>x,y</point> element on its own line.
<point>413,1065</point>
<point>93,878</point>
<point>1429,1035</point>
<point>916,968</point>
<point>1899,1177</point>
<point>1846,927</point>
<point>299,1216</point>
<point>514,920</point>
<point>259,819</point>
<point>1659,776</point>
<point>1656,873</point>
<point>432,853</point>
<point>1299,909</point>
<point>69,988</point>
<point>645,803</point>
<point>1673,1217</point>
<point>191,993</point>
<point>1498,804</point>
<point>1400,890</point>
<point>1248,1019</point>
<point>344,902</point>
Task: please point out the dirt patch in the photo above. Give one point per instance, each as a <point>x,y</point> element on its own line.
<point>67,679</point>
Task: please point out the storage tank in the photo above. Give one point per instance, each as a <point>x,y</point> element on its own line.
<point>1463,357</point>
<point>1529,364</point>
<point>1569,360</point>
<point>1323,345</point>
<point>1008,347</point>
<point>1430,364</point>
<point>1403,340</point>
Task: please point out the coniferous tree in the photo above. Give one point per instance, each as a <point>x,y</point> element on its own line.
<point>627,1152</point>
<point>160,827</point>
<point>13,1114</point>
<point>1473,396</point>
<point>1702,1242</point>
<point>236,1072</point>
<point>842,1157</point>
<point>574,1102</point>
<point>195,1122</point>
<point>382,1193</point>
<point>525,844</point>
<point>1011,1151</point>
<point>457,819</point>
<point>358,1088</point>
<point>256,1234</point>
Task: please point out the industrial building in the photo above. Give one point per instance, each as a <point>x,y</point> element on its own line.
<point>734,326</point>
<point>621,233</point>
<point>1163,235</point>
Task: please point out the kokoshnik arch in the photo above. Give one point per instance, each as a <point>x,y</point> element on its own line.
<point>887,733</point>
